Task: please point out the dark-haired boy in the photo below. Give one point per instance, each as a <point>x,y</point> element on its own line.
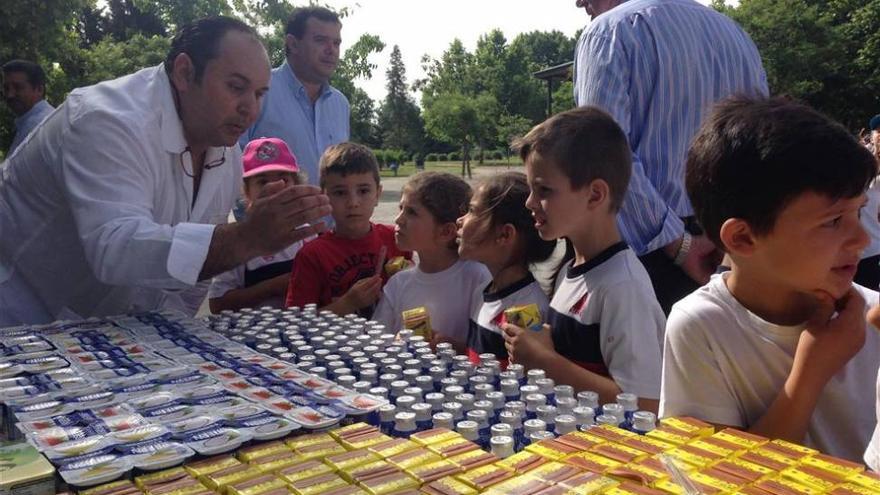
<point>778,186</point>
<point>341,271</point>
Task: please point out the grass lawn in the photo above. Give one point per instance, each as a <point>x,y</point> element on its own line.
<point>409,168</point>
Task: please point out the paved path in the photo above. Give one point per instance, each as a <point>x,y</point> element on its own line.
<point>391,186</point>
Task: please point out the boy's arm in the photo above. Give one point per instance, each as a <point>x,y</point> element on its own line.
<point>535,350</point>
<point>824,348</point>
<point>244,297</point>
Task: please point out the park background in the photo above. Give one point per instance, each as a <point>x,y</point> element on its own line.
<point>465,103</point>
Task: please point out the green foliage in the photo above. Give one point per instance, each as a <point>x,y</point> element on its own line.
<point>823,52</point>
<point>442,157</point>
<point>399,120</point>
<point>454,156</point>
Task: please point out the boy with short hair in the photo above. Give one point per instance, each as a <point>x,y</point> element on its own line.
<point>341,270</point>
<point>777,186</point>
<point>261,281</point>
<point>605,324</point>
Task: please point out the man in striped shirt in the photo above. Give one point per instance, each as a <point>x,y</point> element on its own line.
<point>658,66</point>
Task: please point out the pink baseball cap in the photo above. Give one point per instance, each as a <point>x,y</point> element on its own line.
<point>268,155</point>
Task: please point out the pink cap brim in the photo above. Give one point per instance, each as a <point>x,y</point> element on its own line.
<point>270,168</point>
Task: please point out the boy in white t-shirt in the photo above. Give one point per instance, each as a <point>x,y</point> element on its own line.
<point>261,281</point>
<point>446,286</point>
<point>605,324</point>
<point>777,186</point>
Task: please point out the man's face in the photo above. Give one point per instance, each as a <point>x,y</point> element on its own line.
<point>596,7</point>
<point>314,57</point>
<point>19,94</point>
<point>217,110</point>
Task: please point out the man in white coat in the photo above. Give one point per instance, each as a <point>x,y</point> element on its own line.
<point>118,202</point>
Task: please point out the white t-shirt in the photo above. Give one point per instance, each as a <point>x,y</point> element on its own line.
<point>725,365</point>
<point>450,297</point>
<point>485,334</point>
<point>872,454</point>
<point>605,317</point>
<point>235,278</point>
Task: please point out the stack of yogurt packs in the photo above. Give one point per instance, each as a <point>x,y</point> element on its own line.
<point>102,397</point>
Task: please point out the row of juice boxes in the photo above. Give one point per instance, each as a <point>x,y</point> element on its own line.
<point>358,459</point>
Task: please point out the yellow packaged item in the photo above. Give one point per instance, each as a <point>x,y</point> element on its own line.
<point>395,265</point>
<point>648,445</point>
<point>211,464</point>
<point>256,486</point>
<point>611,433</point>
<point>588,484</point>
<point>320,450</point>
<point>813,477</point>
<point>434,435</point>
<point>619,452</point>
<point>389,483</point>
<point>220,479</point>
<point>310,439</point>
<point>352,430</point>
<point>524,484</point>
<point>426,473</point>
<point>526,316</point>
<point>317,484</point>
<point>304,470</point>
<point>351,459</point>
<point>852,489</point>
<point>719,479</point>
<point>555,472</point>
<point>187,484</point>
<point>144,481</point>
<point>693,457</point>
<point>276,462</point>
<point>485,476</point>
<point>580,440</point>
<point>781,485</point>
<point>866,479</point>
<point>365,440</point>
<point>410,458</point>
<point>747,440</point>
<point>392,447</point>
<point>793,449</point>
<point>669,435</point>
<point>346,490</point>
<point>121,487</point>
<point>551,449</point>
<point>718,446</point>
<point>364,471</point>
<point>744,469</point>
<point>592,462</point>
<point>453,447</point>
<point>419,321</point>
<point>632,489</point>
<point>448,486</point>
<point>776,456</point>
<point>674,488</point>
<point>473,459</point>
<point>840,467</point>
<point>262,450</point>
<point>522,462</point>
<point>692,426</point>
<point>764,460</point>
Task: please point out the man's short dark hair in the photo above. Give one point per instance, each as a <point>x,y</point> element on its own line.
<point>585,144</point>
<point>753,156</point>
<point>296,23</point>
<point>35,75</point>
<point>200,40</point>
<point>346,159</point>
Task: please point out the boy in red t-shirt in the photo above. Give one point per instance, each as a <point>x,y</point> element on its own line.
<point>338,270</point>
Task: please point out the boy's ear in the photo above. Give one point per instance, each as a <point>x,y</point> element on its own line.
<point>378,193</point>
<point>597,193</point>
<point>737,237</point>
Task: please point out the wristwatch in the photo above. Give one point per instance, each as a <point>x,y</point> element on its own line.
<point>683,249</point>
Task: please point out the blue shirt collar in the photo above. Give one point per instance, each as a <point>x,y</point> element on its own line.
<point>297,85</point>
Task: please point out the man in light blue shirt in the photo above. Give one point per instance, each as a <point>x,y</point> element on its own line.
<point>658,66</point>
<point>301,107</point>
<point>24,91</point>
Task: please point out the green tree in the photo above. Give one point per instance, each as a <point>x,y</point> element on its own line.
<point>399,119</point>
<point>355,64</point>
<point>460,120</point>
<point>511,127</point>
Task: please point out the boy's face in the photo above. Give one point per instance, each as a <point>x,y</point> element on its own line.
<point>558,210</point>
<point>353,198</point>
<point>815,245</point>
<point>415,228</point>
<point>255,185</point>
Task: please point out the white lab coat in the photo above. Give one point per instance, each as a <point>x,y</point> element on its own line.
<point>96,213</point>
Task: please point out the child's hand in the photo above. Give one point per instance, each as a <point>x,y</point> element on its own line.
<point>364,292</point>
<point>528,347</point>
<point>826,345</point>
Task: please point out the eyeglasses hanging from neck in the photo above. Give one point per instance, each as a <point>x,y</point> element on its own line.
<point>186,165</point>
